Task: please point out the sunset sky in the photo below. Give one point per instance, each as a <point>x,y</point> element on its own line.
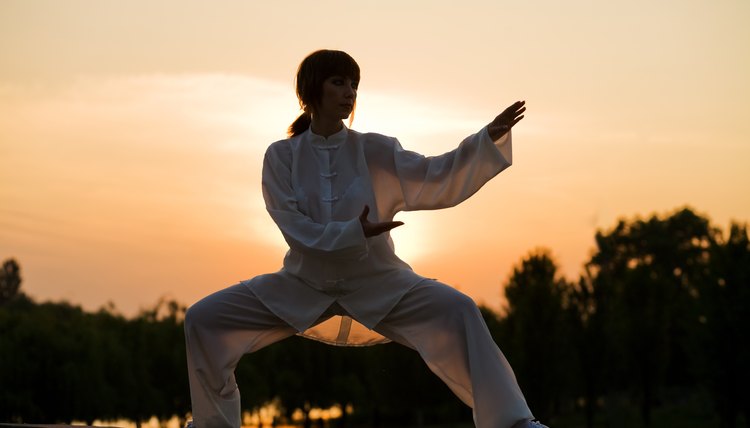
<point>132,132</point>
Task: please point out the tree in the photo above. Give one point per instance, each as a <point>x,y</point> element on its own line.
<point>157,381</point>
<point>652,270</point>
<point>589,308</point>
<point>726,319</point>
<point>10,280</point>
<point>538,332</point>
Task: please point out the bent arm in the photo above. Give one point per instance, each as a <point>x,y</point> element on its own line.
<point>336,239</point>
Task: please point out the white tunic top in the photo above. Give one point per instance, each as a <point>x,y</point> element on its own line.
<point>315,189</point>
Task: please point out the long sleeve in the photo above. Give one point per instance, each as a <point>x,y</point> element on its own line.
<point>447,180</point>
<point>335,239</point>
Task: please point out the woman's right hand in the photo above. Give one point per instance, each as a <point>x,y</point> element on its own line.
<point>505,120</point>
<point>374,229</point>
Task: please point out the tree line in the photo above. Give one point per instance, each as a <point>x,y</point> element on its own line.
<point>654,332</point>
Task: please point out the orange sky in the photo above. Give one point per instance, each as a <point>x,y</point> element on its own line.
<point>131,133</point>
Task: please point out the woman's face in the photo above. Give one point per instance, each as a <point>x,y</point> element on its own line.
<point>338,97</point>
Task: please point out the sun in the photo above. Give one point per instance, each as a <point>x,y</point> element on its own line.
<point>414,239</point>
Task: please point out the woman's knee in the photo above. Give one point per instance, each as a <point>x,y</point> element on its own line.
<point>191,318</point>
<point>208,311</point>
<point>450,300</point>
<point>198,315</point>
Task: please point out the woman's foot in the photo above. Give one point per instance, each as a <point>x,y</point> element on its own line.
<point>529,423</point>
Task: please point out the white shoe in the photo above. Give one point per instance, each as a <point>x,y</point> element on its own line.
<point>530,424</point>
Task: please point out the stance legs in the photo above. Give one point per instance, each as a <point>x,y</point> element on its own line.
<point>442,324</point>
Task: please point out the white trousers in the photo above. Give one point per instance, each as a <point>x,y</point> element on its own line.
<point>442,324</point>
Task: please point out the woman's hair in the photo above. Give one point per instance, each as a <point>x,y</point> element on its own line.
<point>312,72</point>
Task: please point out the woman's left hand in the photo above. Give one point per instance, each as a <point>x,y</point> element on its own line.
<point>375,229</point>
<point>505,120</point>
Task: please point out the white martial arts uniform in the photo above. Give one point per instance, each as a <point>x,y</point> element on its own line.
<point>342,288</point>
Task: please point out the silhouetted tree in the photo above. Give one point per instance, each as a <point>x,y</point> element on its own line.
<point>538,331</point>
<point>10,280</point>
<point>588,311</point>
<point>726,319</point>
<point>653,268</point>
<point>158,366</point>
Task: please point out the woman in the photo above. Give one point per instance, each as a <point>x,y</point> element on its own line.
<point>333,192</point>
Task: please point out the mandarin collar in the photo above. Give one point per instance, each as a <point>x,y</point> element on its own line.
<point>333,140</point>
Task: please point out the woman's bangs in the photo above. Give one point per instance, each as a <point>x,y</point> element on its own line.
<point>341,64</point>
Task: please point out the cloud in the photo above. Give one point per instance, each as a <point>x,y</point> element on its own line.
<point>141,149</point>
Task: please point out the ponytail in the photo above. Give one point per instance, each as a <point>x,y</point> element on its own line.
<point>300,125</point>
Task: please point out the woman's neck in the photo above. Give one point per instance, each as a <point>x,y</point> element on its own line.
<point>325,128</point>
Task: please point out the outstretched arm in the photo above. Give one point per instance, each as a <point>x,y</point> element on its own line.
<point>505,120</point>
<point>446,180</point>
